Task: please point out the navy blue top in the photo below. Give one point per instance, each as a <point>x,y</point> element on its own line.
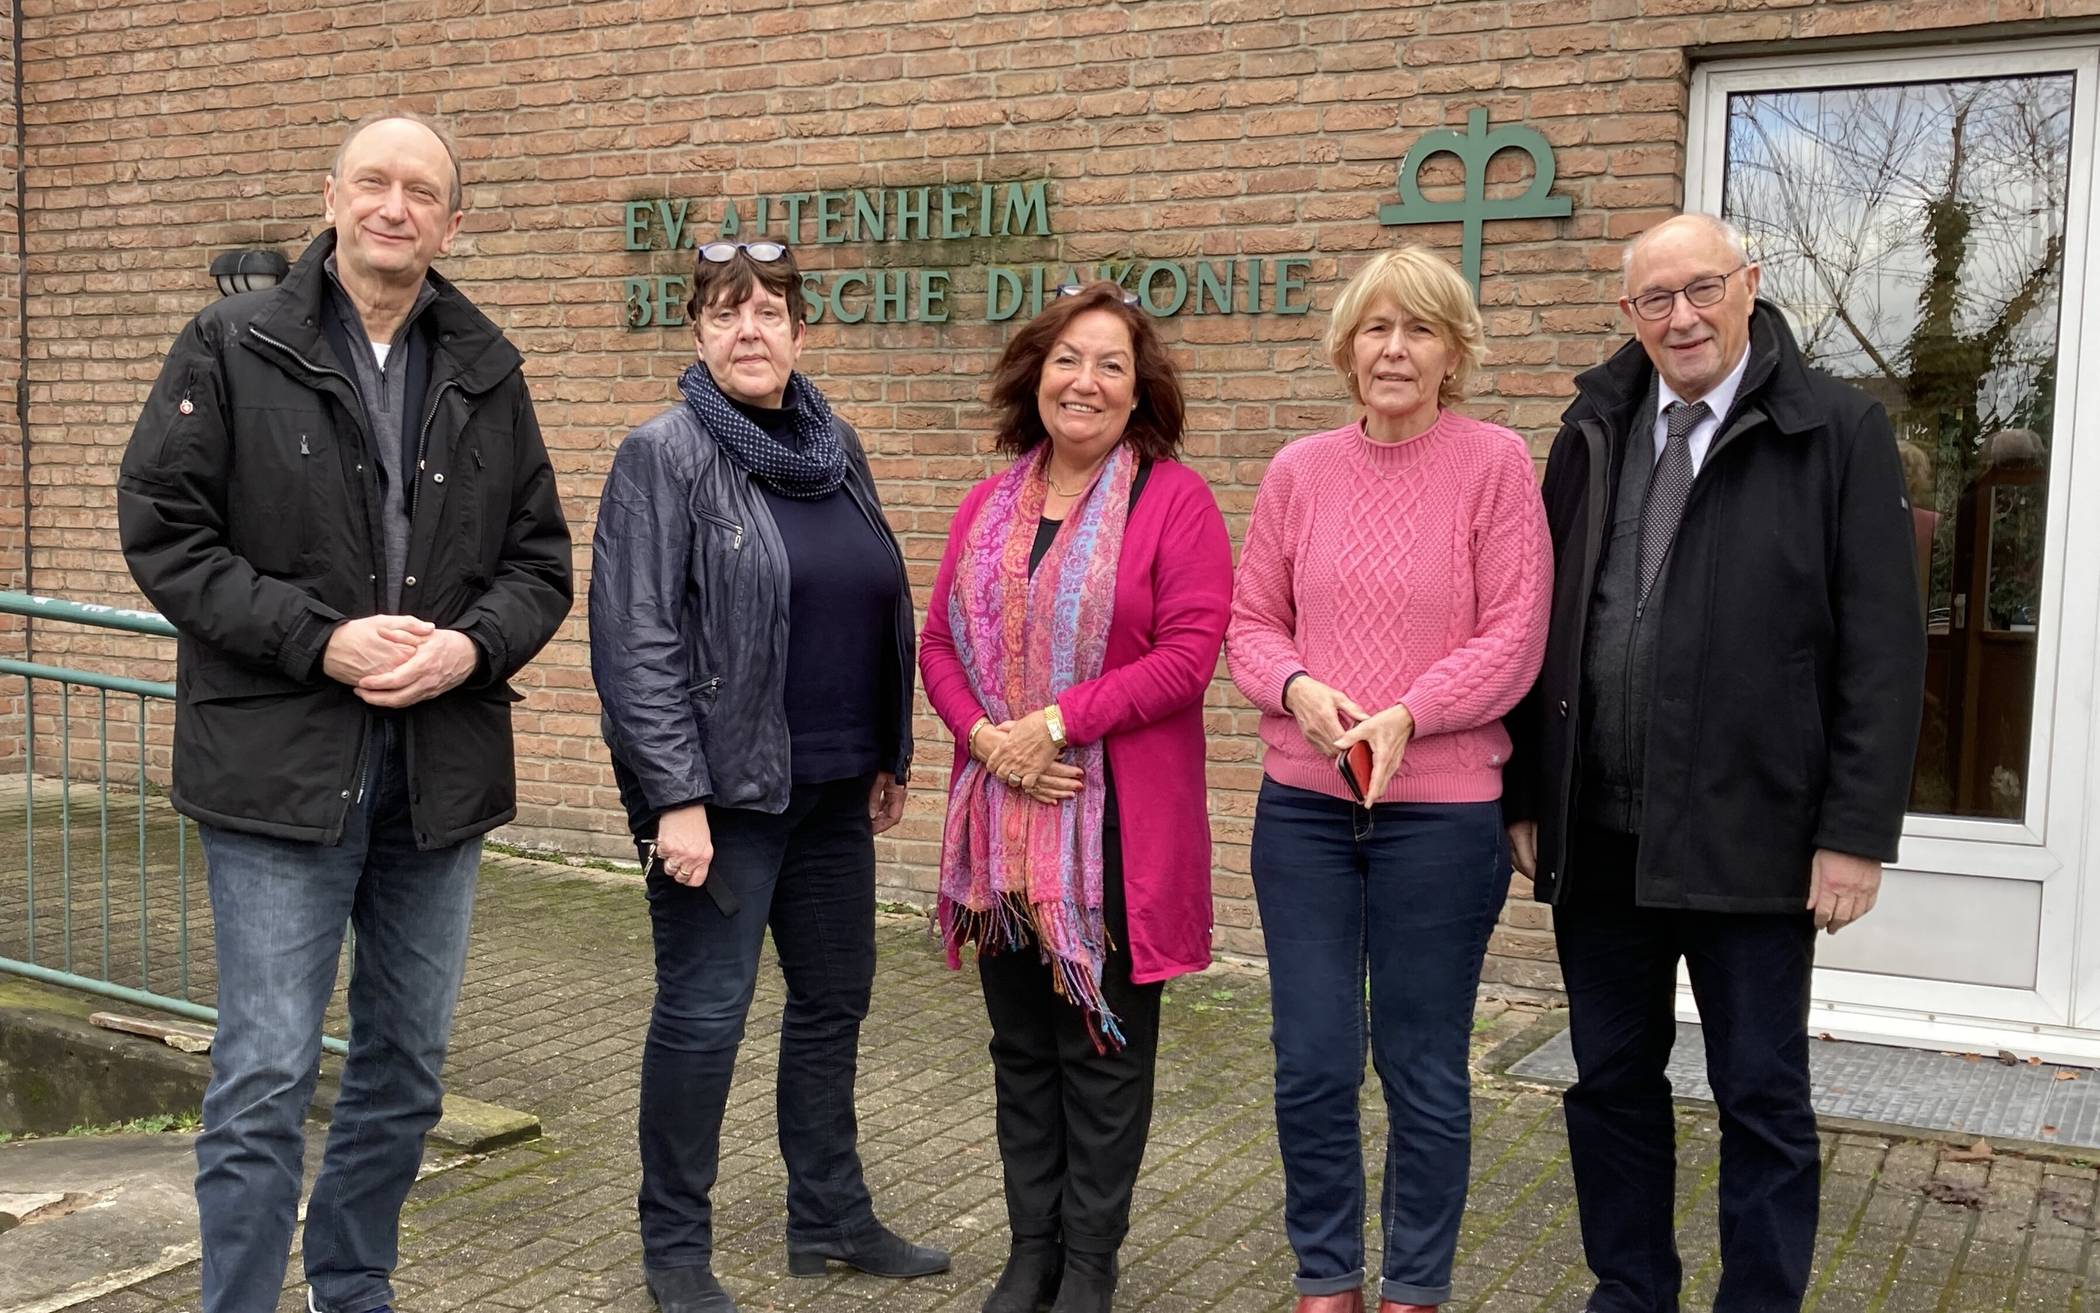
<point>842,607</point>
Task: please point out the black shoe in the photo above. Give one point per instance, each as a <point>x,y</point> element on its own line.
<point>1034,1268</point>
<point>877,1251</point>
<point>1089,1284</point>
<point>688,1290</point>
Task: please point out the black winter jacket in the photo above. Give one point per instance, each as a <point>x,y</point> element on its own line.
<point>1790,664</point>
<point>248,505</point>
<point>689,623</point>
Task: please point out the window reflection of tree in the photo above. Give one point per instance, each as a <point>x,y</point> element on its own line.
<point>1915,232</point>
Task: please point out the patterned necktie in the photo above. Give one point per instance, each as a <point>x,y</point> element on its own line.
<point>1668,489</point>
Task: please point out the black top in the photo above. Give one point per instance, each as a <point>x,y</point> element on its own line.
<point>1045,534</point>
<point>842,607</point>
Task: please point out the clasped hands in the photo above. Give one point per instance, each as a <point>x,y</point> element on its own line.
<point>398,660</point>
<point>1022,753</point>
<point>1333,723</point>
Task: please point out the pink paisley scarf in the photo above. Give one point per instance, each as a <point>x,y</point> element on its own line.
<point>1013,868</point>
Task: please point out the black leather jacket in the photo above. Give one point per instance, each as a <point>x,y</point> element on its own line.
<point>689,623</point>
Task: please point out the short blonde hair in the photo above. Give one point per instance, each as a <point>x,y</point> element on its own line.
<point>1425,287</point>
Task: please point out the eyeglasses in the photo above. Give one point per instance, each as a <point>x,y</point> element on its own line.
<point>724,252</point>
<point>1074,289</point>
<point>1701,292</point>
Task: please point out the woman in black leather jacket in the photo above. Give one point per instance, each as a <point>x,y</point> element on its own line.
<point>751,640</point>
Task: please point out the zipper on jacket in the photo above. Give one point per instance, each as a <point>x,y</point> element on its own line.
<point>415,484</point>
<point>304,450</point>
<point>736,541</point>
<point>348,381</point>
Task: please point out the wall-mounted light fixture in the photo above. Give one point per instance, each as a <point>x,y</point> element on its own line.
<point>248,271</point>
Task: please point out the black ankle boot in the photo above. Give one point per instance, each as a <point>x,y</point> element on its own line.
<point>1034,1267</point>
<point>1089,1283</point>
<point>878,1251</point>
<point>688,1290</point>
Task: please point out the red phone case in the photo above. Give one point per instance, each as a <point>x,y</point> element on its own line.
<point>1354,763</point>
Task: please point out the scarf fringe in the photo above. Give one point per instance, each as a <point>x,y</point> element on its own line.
<point>1011,924</point>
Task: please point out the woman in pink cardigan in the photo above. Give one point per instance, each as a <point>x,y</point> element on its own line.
<point>1392,594</point>
<point>1074,626</point>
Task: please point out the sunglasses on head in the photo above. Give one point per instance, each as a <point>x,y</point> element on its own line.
<point>1074,289</point>
<point>724,252</point>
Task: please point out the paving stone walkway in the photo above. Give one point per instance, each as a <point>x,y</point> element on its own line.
<point>552,1019</point>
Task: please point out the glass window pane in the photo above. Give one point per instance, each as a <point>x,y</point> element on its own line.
<point>1914,233</point>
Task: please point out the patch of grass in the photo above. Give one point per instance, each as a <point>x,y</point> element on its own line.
<point>158,1124</point>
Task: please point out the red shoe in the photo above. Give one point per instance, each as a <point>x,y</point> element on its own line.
<point>1348,1301</point>
<point>1395,1306</point>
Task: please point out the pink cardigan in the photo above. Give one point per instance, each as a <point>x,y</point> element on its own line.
<point>1173,598</point>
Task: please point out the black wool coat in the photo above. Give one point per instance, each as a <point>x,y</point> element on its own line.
<point>1790,665</point>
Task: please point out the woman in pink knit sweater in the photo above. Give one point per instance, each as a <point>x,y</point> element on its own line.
<point>1074,626</point>
<point>1392,592</point>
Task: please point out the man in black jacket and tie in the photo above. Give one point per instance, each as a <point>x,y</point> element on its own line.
<point>1716,759</point>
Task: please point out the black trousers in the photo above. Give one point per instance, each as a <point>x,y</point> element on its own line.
<point>1750,974</point>
<point>1072,1121</point>
<point>808,875</point>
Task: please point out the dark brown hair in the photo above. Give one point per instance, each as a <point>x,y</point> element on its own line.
<point>1154,430</point>
<point>732,281</point>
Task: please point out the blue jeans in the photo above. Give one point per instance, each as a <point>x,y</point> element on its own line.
<point>278,910</point>
<point>1411,904</point>
<point>809,875</point>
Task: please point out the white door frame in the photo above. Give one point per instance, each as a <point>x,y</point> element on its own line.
<point>2047,847</point>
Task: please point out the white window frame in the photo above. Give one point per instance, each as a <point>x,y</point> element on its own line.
<point>2049,844</point>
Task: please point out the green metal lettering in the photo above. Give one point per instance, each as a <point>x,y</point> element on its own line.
<point>1181,288</point>
<point>1000,280</point>
<point>933,297</point>
<point>867,216</point>
<point>813,298</point>
<point>1286,284</point>
<point>1474,148</point>
<point>1024,199</point>
<point>671,292</point>
<point>793,200</point>
<point>838,298</point>
<point>955,208</point>
<point>831,218</point>
<point>912,205</point>
<point>637,225</point>
<point>732,222</point>
<point>634,295</point>
<point>1219,290</point>
<point>887,305</point>
<point>673,217</point>
<point>1253,305</point>
<point>984,209</point>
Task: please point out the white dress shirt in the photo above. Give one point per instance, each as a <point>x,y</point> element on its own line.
<point>1718,403</point>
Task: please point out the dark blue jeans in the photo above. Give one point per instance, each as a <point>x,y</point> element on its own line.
<point>278,910</point>
<point>1750,974</point>
<point>809,874</point>
<point>1409,904</point>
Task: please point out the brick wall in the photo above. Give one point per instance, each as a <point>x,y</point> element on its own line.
<point>160,134</point>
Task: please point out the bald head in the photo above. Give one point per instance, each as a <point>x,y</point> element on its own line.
<point>1690,291</point>
<point>1690,223</point>
<point>398,119</point>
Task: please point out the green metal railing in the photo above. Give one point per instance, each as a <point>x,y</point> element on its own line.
<point>163,839</point>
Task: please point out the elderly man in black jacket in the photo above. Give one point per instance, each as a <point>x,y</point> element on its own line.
<point>338,494</point>
<point>1715,761</point>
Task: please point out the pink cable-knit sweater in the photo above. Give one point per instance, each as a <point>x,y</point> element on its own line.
<point>1418,572</point>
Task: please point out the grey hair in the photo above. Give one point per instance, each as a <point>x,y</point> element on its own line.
<point>1731,235</point>
<point>435,128</point>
